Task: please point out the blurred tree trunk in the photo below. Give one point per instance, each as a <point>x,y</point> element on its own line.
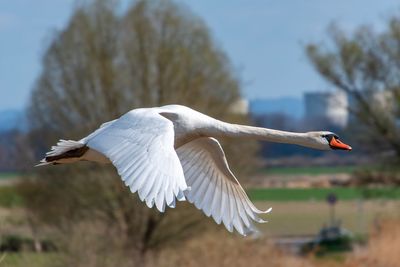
<point>99,67</point>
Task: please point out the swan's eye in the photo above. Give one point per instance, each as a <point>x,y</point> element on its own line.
<point>329,137</point>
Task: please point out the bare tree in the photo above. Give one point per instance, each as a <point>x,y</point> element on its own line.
<point>99,67</point>
<point>366,65</point>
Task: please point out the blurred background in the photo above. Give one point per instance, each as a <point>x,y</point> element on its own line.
<point>68,66</point>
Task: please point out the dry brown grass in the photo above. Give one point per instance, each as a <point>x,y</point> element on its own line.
<point>383,249</point>
<point>307,217</point>
<point>93,245</point>
<point>223,249</point>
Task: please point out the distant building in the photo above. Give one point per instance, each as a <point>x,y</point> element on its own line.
<point>290,106</point>
<point>330,106</point>
<point>240,106</point>
<point>384,101</point>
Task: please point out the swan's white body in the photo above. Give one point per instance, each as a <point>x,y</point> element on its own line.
<point>170,152</point>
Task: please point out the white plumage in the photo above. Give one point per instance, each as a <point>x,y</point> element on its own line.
<point>215,189</point>
<point>168,153</point>
<point>141,146</point>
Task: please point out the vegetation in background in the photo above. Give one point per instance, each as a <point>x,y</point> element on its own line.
<point>30,259</point>
<point>313,170</point>
<point>9,197</point>
<point>8,175</point>
<point>387,175</point>
<point>222,249</point>
<point>320,194</point>
<point>104,64</point>
<point>382,249</point>
<point>365,64</point>
<point>98,67</point>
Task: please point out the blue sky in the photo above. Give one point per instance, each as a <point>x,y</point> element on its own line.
<point>265,39</point>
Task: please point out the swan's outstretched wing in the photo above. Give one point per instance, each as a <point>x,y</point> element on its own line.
<point>214,188</point>
<point>141,146</point>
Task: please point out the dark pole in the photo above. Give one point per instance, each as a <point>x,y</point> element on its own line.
<point>332,199</point>
<point>332,215</point>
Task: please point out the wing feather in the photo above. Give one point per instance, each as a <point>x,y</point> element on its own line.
<point>160,200</point>
<point>148,183</point>
<point>207,202</point>
<point>224,210</point>
<point>220,201</point>
<point>214,188</point>
<point>133,144</point>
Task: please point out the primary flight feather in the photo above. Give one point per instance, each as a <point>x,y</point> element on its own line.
<point>171,152</point>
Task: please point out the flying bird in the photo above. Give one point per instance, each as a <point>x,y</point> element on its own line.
<point>171,152</point>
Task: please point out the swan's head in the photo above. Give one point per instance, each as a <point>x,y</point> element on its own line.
<point>327,141</point>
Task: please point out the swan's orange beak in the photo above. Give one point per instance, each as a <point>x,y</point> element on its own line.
<point>337,144</point>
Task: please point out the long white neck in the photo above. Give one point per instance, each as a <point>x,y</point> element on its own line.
<point>223,129</point>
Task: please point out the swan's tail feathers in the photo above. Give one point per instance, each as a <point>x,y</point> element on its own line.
<point>43,162</point>
<point>66,151</point>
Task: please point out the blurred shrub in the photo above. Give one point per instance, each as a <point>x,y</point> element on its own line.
<point>9,197</point>
<point>101,65</point>
<point>13,243</point>
<point>64,207</point>
<point>381,176</point>
<point>224,249</point>
<point>382,249</point>
<point>17,243</point>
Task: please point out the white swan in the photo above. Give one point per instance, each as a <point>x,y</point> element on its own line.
<point>167,153</point>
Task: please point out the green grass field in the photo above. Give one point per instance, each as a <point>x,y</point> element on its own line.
<point>296,211</point>
<point>29,259</point>
<point>320,194</point>
<point>9,197</point>
<point>8,175</point>
<point>294,218</point>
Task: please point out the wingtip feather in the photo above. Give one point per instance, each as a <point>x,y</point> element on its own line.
<point>43,162</point>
